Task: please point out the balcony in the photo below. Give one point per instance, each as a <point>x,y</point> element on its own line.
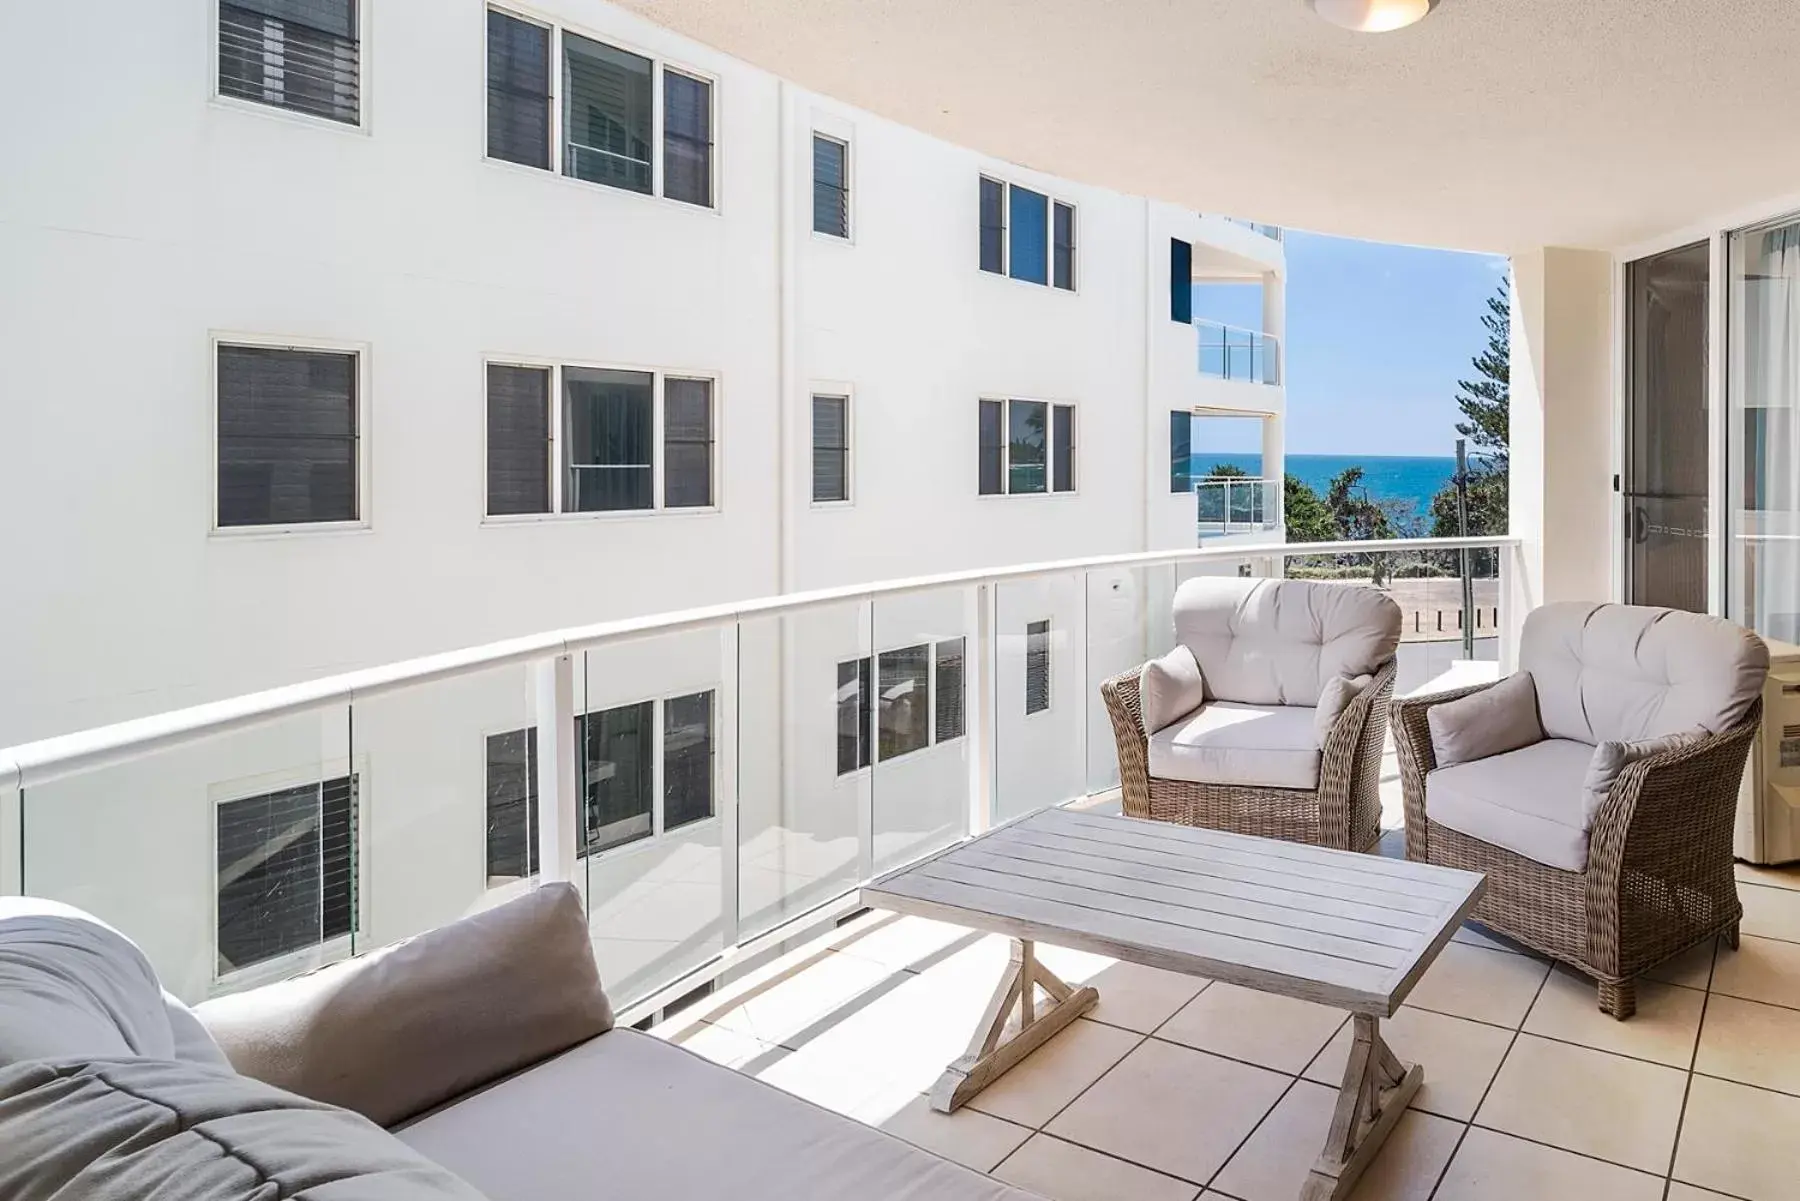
<point>1228,504</point>
<point>1230,353</point>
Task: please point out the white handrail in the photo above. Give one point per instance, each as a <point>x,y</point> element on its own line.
<point>35,763</point>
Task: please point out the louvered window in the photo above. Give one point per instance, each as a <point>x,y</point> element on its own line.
<point>518,439</point>
<point>512,806</point>
<point>287,436</point>
<point>831,186</point>
<point>687,759</point>
<point>518,98</point>
<point>687,138</point>
<point>1062,246</point>
<point>607,105</point>
<point>830,449</point>
<point>294,54</point>
<point>1062,443</point>
<point>1037,667</point>
<point>991,448</point>
<point>949,690</point>
<point>853,686</point>
<point>286,871</point>
<point>609,431</point>
<point>687,443</point>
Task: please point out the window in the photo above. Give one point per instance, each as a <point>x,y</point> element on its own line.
<point>617,775</point>
<point>301,55</point>
<point>618,441</point>
<point>1027,235</point>
<point>1025,447</point>
<point>687,138</point>
<point>830,449</point>
<point>287,871</point>
<point>1181,452</point>
<point>518,439</point>
<point>950,719</point>
<point>288,451</point>
<point>607,114</point>
<point>687,444</point>
<point>1181,281</point>
<point>687,759</point>
<point>831,186</point>
<point>852,716</point>
<point>518,99</point>
<point>905,715</point>
<point>512,806</point>
<point>1037,667</point>
<point>1062,246</point>
<point>993,226</point>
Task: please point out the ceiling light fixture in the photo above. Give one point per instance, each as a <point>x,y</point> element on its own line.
<point>1373,16</point>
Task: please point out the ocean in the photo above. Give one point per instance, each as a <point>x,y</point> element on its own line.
<point>1411,481</point>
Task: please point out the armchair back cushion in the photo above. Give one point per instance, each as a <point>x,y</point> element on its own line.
<point>1277,642</point>
<point>1624,673</point>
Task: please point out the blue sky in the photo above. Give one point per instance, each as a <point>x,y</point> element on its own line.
<point>1377,336</point>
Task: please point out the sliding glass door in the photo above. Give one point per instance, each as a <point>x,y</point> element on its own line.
<point>1665,460</point>
<point>1762,560</point>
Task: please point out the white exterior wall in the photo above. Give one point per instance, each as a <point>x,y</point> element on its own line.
<point>143,218</point>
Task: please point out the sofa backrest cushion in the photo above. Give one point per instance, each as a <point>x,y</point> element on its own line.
<point>1624,673</point>
<point>392,1033</point>
<point>1276,642</point>
<point>71,986</point>
<point>126,1129</point>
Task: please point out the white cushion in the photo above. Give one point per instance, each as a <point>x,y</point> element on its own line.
<point>1169,688</point>
<point>1627,672</point>
<point>1529,801</point>
<point>1611,758</point>
<point>1499,718</point>
<point>1263,746</point>
<point>1276,642</point>
<point>1337,696</point>
<point>627,1115</point>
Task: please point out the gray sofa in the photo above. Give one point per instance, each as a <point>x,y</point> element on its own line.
<point>475,1060</point>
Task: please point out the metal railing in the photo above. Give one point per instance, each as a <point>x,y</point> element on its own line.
<point>1233,504</point>
<point>1268,231</point>
<point>1229,352</point>
<point>716,780</point>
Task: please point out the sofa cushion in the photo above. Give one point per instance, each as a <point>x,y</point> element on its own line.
<point>1169,688</point>
<point>1611,758</point>
<point>1502,717</point>
<point>129,1129</point>
<point>1262,746</point>
<point>395,1032</point>
<point>1627,672</point>
<point>73,987</point>
<point>1529,801</point>
<point>1276,642</point>
<point>629,1115</point>
<point>1337,696</point>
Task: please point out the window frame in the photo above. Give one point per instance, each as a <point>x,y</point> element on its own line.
<point>848,237</point>
<point>363,521</point>
<point>327,951</point>
<point>558,141</point>
<point>843,392</point>
<point>1053,201</point>
<point>1050,447</point>
<point>361,125</point>
<point>558,441</point>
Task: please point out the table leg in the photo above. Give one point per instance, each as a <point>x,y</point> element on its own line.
<point>1375,1092</point>
<point>992,1051</point>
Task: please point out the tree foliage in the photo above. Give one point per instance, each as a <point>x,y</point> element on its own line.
<point>1231,470</point>
<point>1486,400</point>
<point>1353,514</point>
<point>1308,520</point>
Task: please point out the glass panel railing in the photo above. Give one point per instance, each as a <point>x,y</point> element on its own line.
<point>12,843</point>
<point>923,679</point>
<point>806,730</point>
<point>1235,505</point>
<point>1040,693</point>
<point>231,861</point>
<point>1228,352</point>
<point>1128,624</point>
<point>652,795</point>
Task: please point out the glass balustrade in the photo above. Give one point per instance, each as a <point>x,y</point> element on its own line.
<point>1227,352</point>
<point>1235,504</point>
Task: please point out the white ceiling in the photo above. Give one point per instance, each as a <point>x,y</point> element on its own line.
<point>1493,125</point>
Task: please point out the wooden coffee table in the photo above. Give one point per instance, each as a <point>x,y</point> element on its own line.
<point>1342,929</point>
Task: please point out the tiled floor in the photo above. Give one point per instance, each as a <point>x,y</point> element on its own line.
<point>1175,1088</point>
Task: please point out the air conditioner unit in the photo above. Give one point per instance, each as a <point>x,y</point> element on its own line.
<point>1768,821</point>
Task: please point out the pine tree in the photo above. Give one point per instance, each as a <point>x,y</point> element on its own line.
<point>1308,520</point>
<point>1485,401</point>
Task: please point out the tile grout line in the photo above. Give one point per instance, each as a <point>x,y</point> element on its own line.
<point>1498,1068</point>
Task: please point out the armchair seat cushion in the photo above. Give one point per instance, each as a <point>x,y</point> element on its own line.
<point>1256,746</point>
<point>1531,801</point>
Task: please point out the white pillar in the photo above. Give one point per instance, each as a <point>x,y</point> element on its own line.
<point>1562,504</point>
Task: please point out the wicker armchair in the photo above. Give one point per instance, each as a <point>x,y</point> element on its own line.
<point>1343,812</point>
<point>1658,876</point>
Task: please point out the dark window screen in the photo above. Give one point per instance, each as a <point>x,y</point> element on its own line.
<point>301,55</point>
<point>687,443</point>
<point>286,871</point>
<point>518,97</point>
<point>992,450</point>
<point>1062,474</point>
<point>993,226</point>
<point>518,439</point>
<point>287,436</point>
<point>687,138</point>
<point>830,449</point>
<point>1062,247</point>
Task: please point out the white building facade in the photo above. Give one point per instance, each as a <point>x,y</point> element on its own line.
<point>387,327</point>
